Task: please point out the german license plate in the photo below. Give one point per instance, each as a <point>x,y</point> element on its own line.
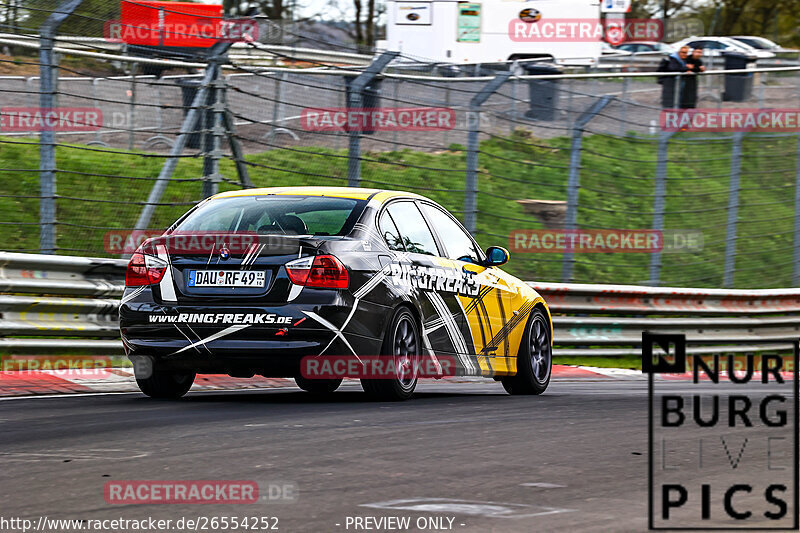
<point>226,278</point>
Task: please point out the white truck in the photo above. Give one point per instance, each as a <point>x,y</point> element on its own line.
<point>490,31</point>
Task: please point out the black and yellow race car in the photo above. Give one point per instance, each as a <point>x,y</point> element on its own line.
<point>256,282</point>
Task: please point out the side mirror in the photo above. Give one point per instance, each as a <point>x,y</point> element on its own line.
<point>496,256</point>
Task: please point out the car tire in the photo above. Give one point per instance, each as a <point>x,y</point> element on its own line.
<point>402,342</point>
<point>534,358</point>
<point>317,386</point>
<point>164,383</point>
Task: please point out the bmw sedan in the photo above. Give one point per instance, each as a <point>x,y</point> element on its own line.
<point>277,281</point>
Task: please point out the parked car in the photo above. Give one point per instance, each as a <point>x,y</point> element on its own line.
<point>607,49</point>
<point>639,47</point>
<point>760,43</point>
<point>716,46</point>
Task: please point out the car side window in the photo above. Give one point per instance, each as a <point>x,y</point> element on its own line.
<point>390,233</point>
<point>459,244</point>
<point>414,231</point>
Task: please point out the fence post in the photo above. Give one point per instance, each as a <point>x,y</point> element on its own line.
<point>277,108</point>
<point>623,122</point>
<point>573,183</point>
<point>47,139</point>
<point>396,96</point>
<point>796,254</point>
<point>473,124</point>
<point>187,127</point>
<point>659,197</point>
<point>356,101</point>
<point>132,107</point>
<point>213,122</point>
<point>733,210</point>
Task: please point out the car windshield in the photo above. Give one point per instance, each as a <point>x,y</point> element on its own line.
<point>275,214</point>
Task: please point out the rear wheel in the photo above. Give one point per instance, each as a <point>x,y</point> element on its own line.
<point>317,386</point>
<point>534,359</point>
<point>402,345</point>
<point>157,381</point>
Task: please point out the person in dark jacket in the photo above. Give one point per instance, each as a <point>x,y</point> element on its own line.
<point>675,62</point>
<point>689,90</point>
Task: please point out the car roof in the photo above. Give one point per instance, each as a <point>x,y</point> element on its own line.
<point>355,193</point>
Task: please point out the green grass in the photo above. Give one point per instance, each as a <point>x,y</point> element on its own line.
<point>632,363</point>
<point>617,181</point>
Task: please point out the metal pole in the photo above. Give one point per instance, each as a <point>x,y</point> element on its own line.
<point>733,210</point>
<point>623,123</point>
<point>573,183</point>
<point>356,101</point>
<point>213,115</point>
<point>394,133</point>
<point>659,201</point>
<point>95,83</point>
<point>473,124</point>
<point>132,110</point>
<point>796,254</point>
<point>233,142</point>
<point>511,123</point>
<point>571,91</point>
<point>172,161</point>
<point>47,138</point>
<point>447,105</point>
<point>276,107</point>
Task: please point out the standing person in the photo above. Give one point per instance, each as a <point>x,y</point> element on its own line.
<point>675,62</point>
<point>689,91</point>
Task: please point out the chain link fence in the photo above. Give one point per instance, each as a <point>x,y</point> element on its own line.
<point>518,158</point>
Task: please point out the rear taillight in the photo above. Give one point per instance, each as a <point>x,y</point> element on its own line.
<point>321,271</point>
<point>144,269</point>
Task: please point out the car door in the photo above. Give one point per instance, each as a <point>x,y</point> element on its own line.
<point>490,310</point>
<point>416,268</point>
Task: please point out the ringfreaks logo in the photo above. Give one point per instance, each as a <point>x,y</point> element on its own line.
<point>221,318</point>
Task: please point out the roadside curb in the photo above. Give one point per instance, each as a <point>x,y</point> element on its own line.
<point>49,382</point>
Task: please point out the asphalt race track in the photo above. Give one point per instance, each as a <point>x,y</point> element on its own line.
<point>574,459</point>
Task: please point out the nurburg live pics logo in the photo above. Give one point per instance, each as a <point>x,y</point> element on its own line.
<point>722,438</point>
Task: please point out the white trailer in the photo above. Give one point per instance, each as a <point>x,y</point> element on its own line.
<point>489,31</point>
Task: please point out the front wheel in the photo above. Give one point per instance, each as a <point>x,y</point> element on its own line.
<point>534,359</point>
<point>158,382</point>
<point>401,346</point>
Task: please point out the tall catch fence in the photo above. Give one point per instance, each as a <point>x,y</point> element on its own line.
<point>519,158</point>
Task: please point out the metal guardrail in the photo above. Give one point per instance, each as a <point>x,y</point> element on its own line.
<point>255,53</point>
<point>58,303</point>
<point>593,320</point>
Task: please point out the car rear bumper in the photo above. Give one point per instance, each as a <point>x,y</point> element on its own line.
<point>237,339</point>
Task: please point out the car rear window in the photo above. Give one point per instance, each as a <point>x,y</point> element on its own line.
<point>276,214</point>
